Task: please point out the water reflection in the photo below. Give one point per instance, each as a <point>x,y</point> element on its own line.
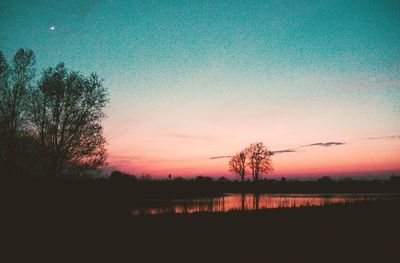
<point>231,202</point>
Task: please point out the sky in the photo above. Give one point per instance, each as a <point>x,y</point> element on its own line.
<point>193,82</point>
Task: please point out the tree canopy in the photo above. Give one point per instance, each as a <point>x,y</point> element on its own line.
<point>15,84</point>
<point>256,157</point>
<point>60,117</point>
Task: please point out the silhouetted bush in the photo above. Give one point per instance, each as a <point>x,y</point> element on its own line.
<point>203,179</point>
<point>120,176</point>
<point>222,179</point>
<point>326,180</point>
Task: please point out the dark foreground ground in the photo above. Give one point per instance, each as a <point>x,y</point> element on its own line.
<point>49,224</point>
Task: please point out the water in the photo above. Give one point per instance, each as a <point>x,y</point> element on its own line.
<point>242,202</point>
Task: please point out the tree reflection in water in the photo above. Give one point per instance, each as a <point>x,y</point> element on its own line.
<point>244,202</point>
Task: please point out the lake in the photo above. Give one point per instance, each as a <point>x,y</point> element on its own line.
<point>230,202</point>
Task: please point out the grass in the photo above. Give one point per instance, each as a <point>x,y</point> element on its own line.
<point>40,219</point>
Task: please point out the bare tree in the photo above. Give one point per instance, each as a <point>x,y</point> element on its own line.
<point>237,164</point>
<point>66,111</point>
<point>15,83</point>
<point>259,160</point>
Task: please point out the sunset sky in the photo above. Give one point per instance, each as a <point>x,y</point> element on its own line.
<point>192,82</point>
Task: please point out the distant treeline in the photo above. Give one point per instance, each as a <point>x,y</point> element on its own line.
<point>119,175</point>
<point>123,188</point>
<point>209,185</point>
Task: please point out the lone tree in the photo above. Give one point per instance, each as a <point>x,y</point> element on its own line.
<point>237,164</point>
<point>66,111</point>
<point>15,84</point>
<point>259,160</point>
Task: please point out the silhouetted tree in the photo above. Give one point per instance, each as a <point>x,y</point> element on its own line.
<point>65,114</point>
<point>237,164</point>
<point>203,179</point>
<point>116,174</point>
<point>259,160</point>
<point>345,180</point>
<point>326,180</point>
<point>120,176</point>
<point>222,179</point>
<point>146,177</point>
<point>15,83</point>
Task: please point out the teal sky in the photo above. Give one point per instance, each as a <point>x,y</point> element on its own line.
<point>190,80</point>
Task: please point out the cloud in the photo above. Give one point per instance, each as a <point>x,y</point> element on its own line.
<point>272,153</point>
<point>181,136</point>
<point>220,157</point>
<point>385,137</point>
<point>324,144</point>
<point>284,151</point>
<point>293,150</point>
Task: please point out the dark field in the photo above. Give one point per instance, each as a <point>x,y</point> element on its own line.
<point>85,220</point>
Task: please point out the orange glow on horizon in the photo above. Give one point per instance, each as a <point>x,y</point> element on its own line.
<point>357,157</point>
